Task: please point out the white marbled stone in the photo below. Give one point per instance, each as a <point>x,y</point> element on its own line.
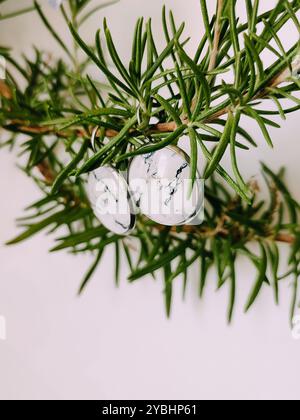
<point>110,199</point>
<point>160,184</point>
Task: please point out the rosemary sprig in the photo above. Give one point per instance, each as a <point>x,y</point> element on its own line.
<point>183,94</point>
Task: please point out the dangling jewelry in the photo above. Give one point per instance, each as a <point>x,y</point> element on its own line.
<point>111,201</point>
<point>110,197</point>
<point>160,186</point>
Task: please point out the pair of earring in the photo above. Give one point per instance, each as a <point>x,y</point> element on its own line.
<point>156,185</point>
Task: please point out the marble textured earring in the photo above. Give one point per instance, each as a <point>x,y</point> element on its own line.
<point>160,185</point>
<point>111,201</point>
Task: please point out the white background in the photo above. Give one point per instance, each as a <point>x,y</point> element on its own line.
<point>118,344</point>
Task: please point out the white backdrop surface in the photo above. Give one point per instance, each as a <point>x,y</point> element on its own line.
<point>116,343</point>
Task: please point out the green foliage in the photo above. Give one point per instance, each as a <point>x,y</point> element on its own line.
<point>145,105</point>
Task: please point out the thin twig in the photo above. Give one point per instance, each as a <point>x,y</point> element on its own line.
<point>215,44</point>
<point>285,238</point>
<point>5,91</point>
<point>286,73</point>
<point>218,231</point>
<point>46,172</point>
<point>216,41</point>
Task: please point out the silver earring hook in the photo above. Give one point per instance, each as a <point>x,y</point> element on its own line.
<point>93,138</point>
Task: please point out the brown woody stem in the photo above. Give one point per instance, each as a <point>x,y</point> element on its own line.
<point>216,41</point>
<point>210,233</point>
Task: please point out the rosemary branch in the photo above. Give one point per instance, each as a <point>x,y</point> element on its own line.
<point>166,127</point>
<point>62,104</point>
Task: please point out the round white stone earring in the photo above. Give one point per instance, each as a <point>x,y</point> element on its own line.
<point>160,186</point>
<point>110,198</point>
<point>111,201</point>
